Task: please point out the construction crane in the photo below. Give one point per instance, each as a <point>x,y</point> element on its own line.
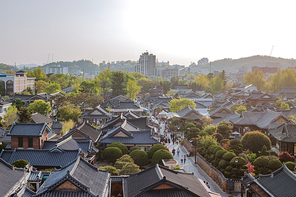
<point>270,52</point>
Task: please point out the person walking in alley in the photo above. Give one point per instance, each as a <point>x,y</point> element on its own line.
<point>184,159</point>
<point>173,151</point>
<point>178,152</point>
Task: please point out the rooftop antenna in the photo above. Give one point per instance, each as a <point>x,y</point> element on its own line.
<point>270,52</point>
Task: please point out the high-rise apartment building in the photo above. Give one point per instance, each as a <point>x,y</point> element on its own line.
<point>147,64</point>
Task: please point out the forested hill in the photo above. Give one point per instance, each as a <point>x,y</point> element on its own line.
<point>4,67</point>
<point>87,65</point>
<point>234,64</point>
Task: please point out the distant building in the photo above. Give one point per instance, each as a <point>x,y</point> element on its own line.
<point>169,72</point>
<point>16,83</point>
<point>270,68</point>
<point>147,64</point>
<point>56,69</point>
<point>203,61</point>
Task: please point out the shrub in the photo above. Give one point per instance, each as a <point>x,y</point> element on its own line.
<point>134,148</point>
<point>240,162</point>
<point>261,161</point>
<point>236,146</point>
<point>121,146</point>
<point>177,168</point>
<point>154,148</point>
<point>250,167</point>
<point>203,134</point>
<point>274,164</point>
<point>255,140</point>
<point>223,163</point>
<point>210,129</point>
<point>290,165</point>
<point>218,136</point>
<point>240,109</point>
<point>263,151</point>
<point>251,157</point>
<point>112,153</point>
<point>140,157</point>
<point>120,162</point>
<point>206,141</point>
<point>212,148</point>
<point>228,156</point>
<point>224,128</point>
<point>159,155</point>
<point>129,168</point>
<point>111,169</point>
<point>220,153</point>
<point>217,149</point>
<point>285,157</point>
<point>21,163</point>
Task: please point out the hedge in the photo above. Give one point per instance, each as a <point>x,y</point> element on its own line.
<point>121,146</point>
<point>140,157</point>
<point>155,148</point>
<point>159,155</point>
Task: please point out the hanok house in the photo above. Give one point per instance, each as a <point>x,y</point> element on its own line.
<point>262,121</point>
<point>88,150</point>
<point>161,181</point>
<point>41,159</point>
<point>285,137</point>
<point>129,135</point>
<point>220,112</point>
<point>31,98</point>
<point>83,131</point>
<point>188,112</point>
<point>78,178</point>
<point>12,178</point>
<point>279,183</point>
<point>287,94</point>
<point>259,98</point>
<point>28,135</point>
<point>98,116</point>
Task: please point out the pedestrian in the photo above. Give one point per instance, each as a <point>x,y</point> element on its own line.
<point>178,152</point>
<point>184,159</point>
<point>173,151</point>
<point>177,141</point>
<point>208,185</point>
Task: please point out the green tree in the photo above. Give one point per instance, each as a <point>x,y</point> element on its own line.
<point>225,129</point>
<point>19,103</point>
<point>155,148</point>
<point>118,84</point>
<point>159,155</point>
<point>236,146</point>
<point>2,89</point>
<point>210,129</point>
<point>140,157</point>
<point>40,106</point>
<point>240,109</point>
<point>21,163</point>
<point>52,88</point>
<point>9,117</point>
<point>132,89</point>
<point>179,104</point>
<point>86,87</point>
<point>70,112</point>
<point>111,169</point>
<point>112,153</point>
<point>121,146</point>
<point>120,162</point>
<point>24,115</point>
<point>217,84</point>
<point>38,73</point>
<point>255,140</point>
<point>103,82</point>
<point>28,91</point>
<point>40,86</point>
<point>285,106</point>
<point>67,125</point>
<point>129,168</point>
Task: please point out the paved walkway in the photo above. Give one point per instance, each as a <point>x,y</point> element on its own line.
<point>189,166</point>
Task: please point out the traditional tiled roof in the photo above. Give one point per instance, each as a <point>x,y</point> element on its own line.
<point>70,144</point>
<point>188,112</point>
<point>279,183</point>
<point>226,118</point>
<point>41,158</point>
<point>181,87</point>
<point>24,192</point>
<point>259,95</point>
<point>87,178</point>
<point>56,127</point>
<point>263,120</point>
<point>199,105</point>
<point>115,101</point>
<point>10,177</point>
<point>85,130</point>
<point>28,129</point>
<point>130,135</point>
<point>96,113</point>
<point>290,112</point>
<point>131,115</point>
<point>39,118</point>
<point>3,135</point>
<point>220,112</point>
<point>67,89</point>
<point>285,132</point>
<point>183,184</point>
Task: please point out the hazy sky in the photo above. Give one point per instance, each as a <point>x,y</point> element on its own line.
<point>176,31</point>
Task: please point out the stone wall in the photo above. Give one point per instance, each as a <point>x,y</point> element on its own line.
<point>216,175</point>
<point>189,146</point>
